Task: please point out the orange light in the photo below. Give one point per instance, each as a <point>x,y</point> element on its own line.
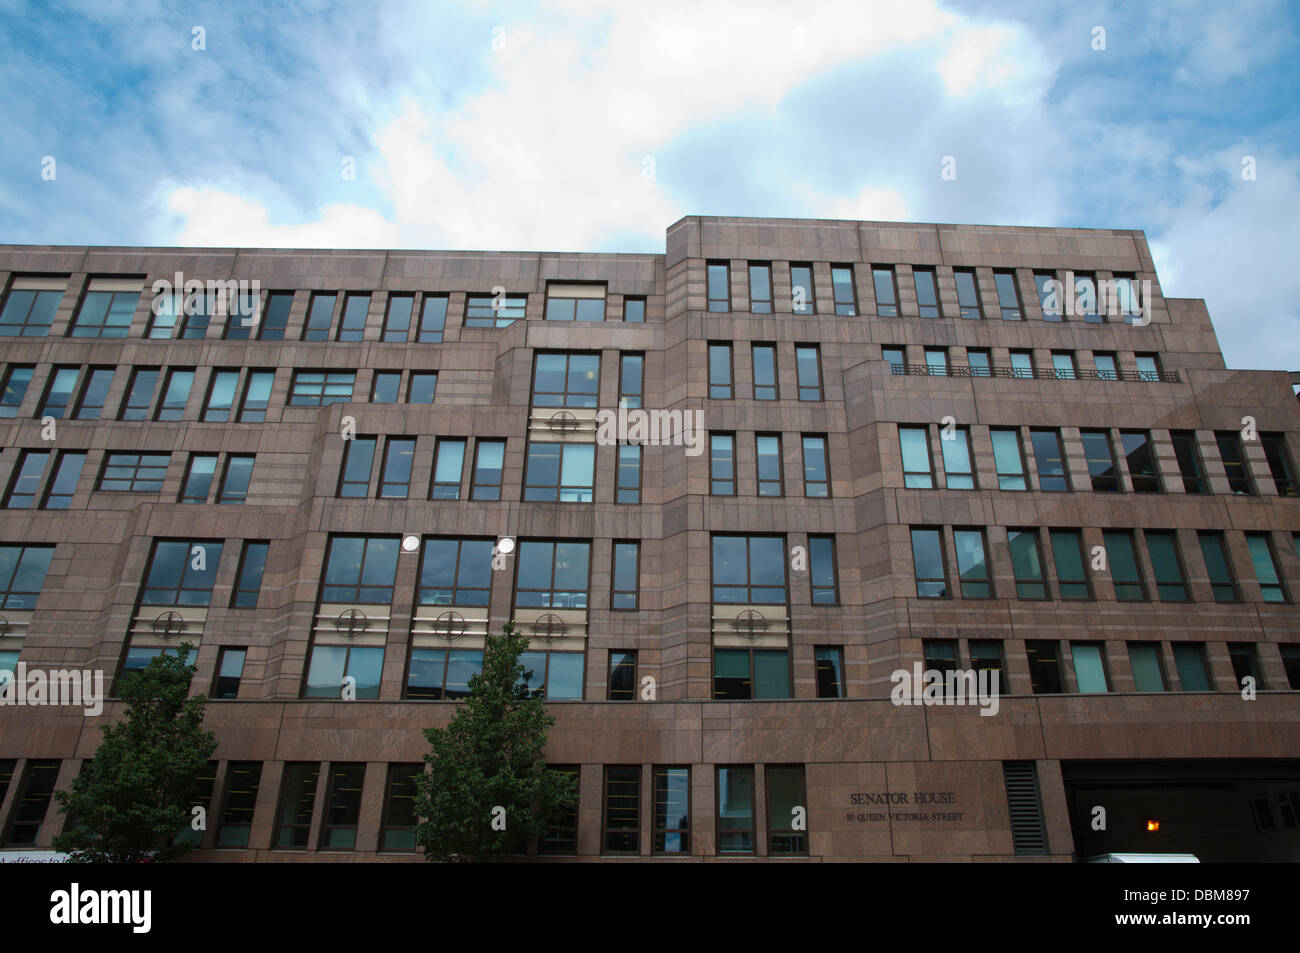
<point>1153,825</point>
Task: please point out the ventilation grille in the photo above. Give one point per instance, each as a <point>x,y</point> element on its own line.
<point>1025,806</point>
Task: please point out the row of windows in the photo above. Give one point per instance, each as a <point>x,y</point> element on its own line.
<point>1118,558</point>
<point>1104,475</point>
<point>125,473</point>
<point>979,363</point>
<point>1093,301</point>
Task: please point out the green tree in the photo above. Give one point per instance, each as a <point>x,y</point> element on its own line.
<point>133,799</point>
<point>489,757</point>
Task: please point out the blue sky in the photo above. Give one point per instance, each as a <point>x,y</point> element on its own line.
<point>587,126</point>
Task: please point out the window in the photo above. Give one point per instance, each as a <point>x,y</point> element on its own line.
<point>397,322</point>
<point>1008,297</point>
<point>1089,668</point>
<point>928,562</point>
<point>555,676</point>
<point>764,358</point>
<point>846,298</point>
<point>749,570</point>
<point>433,319</point>
<point>1217,566</point>
<point>927,292</point>
<point>59,493</point>
<point>358,460</point>
<point>1048,297</point>
<point>1193,672</point>
<point>828,662</point>
<point>242,780</point>
<point>297,802</point>
<point>1278,463</point>
<point>574,302</point>
<point>105,314</point>
<point>735,822</point>
<point>785,802</point>
<point>241,316</point>
<point>1166,567</point>
<point>744,674</point>
<point>134,472</point>
<point>1148,673</point>
<point>320,315</point>
<point>940,655</point>
<point>15,388</point>
<point>566,380</point>
<point>1245,663</point>
<point>986,656</point>
<point>968,300</point>
<point>1101,461</point>
<point>29,311</point>
<point>176,394</point>
<point>1290,662</point>
<point>1008,460</point>
<point>329,666</point>
<point>22,574</point>
<point>207,783</point>
<point>353,325</point>
<point>1189,460</point>
<point>321,388</point>
<point>801,290</point>
<point>1148,367</point>
<point>626,585</point>
<point>1085,293</point>
<point>1261,556</point>
<point>1119,296</point>
<point>221,396</point>
<point>1027,563</point>
<point>360,569</point>
<point>895,357</point>
<point>628,489</point>
<point>1124,572</point>
<point>397,831</point>
<point>722,464</point>
<point>1063,365</point>
<point>769,460</point>
<point>275,316</point>
<point>343,806</point>
<point>719,286</point>
<point>957,462</point>
<point>1141,463</point>
<point>494,311</point>
<point>257,397</point>
<point>1052,474</point>
<point>437,674</point>
<point>1044,667</point>
<point>914,443</point>
<point>198,478</point>
<point>760,289</point>
<point>455,572</point>
<point>972,564</point>
<point>448,465</point>
<point>181,573</point>
<point>621,830</point>
<point>58,394</point>
<point>622,676</point>
<point>634,310</point>
<point>489,459</point>
<point>1107,366</point>
<point>163,313</point>
<point>979,361</point>
<point>882,277</point>
<point>808,367</point>
<point>248,585</point>
<point>936,361</point>
<point>32,802</point>
<point>720,371</point>
<point>26,480</point>
<point>385,387</point>
<point>552,575</point>
<point>94,394</point>
<point>1234,462</point>
<point>1022,363</point>
<point>821,556</point>
<point>563,472</point>
<point>395,482</point>
<point>816,467</point>
<point>1067,553</point>
<point>230,671</point>
<point>630,383</point>
<point>672,811</point>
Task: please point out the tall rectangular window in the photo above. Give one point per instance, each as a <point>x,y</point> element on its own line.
<point>927,292</point>
<point>968,299</point>
<point>972,564</point>
<point>1089,668</point>
<point>986,656</point>
<point>104,314</point>
<point>275,316</point>
<point>627,559</point>
<point>399,455</point>
<point>1234,462</point>
<point>1245,663</point>
<point>566,380</point>
<point>1148,673</point>
<point>257,397</point>
<point>230,672</point>
<point>816,467</point>
<point>1215,553</point>
<point>1008,460</point>
<point>802,300</point>
<point>1027,563</point>
<point>1067,553</point>
<point>240,802</point>
<point>239,473</point>
<point>93,396</point>
<point>1141,462</point>
<point>1085,294</point>
<point>1166,566</point>
<point>631,384</point>
<point>958,466</point>
<point>353,325</point>
<point>1008,296</point>
<point>1044,667</point>
<point>722,464</point>
<point>133,472</point>
<point>768,460</point>
<point>787,811</point>
<point>846,298</point>
<point>936,361</point>
<point>829,668</point>
<point>16,379</point>
<point>1261,556</point>
<point>672,830</point>
<point>1022,363</point>
<point>32,802</point>
<point>248,580</point>
<point>433,319</point>
<point>896,357</point>
<point>198,478</point>
<point>634,310</point>
<point>343,806</point>
<point>176,394</point>
<point>621,830</point>
<point>241,313</point>
<point>940,655</point>
<point>735,821</point>
<point>59,391</point>
<point>63,485</point>
<point>760,288</point>
<point>448,465</point>
<point>29,312</point>
<point>980,361</point>
<point>397,322</point>
<point>560,472</point>
<point>764,358</point>
<point>882,277</point>
<point>1050,460</point>
<point>358,461</point>
<point>1148,366</point>
<point>385,387</point>
<point>26,480</point>
<point>749,570</point>
<point>1101,461</point>
<point>1193,670</point>
<point>221,396</point>
<point>1189,460</point>
<point>914,443</point>
<point>320,315</point>
<point>928,562</point>
<point>489,461</point>
<point>719,286</point>
<point>1121,556</point>
<point>422,387</point>
<point>22,574</point>
<point>1107,365</point>
<point>1049,298</point>
<point>821,565</point>
<point>1290,662</point>
<point>720,371</point>
<point>552,575</point>
<point>628,488</point>
<point>808,367</point>
<point>297,803</point>
<point>494,311</point>
<point>1063,365</point>
<point>622,676</point>
<point>397,832</point>
<point>1279,463</point>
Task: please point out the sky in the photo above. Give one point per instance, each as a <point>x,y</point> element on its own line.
<point>578,125</point>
